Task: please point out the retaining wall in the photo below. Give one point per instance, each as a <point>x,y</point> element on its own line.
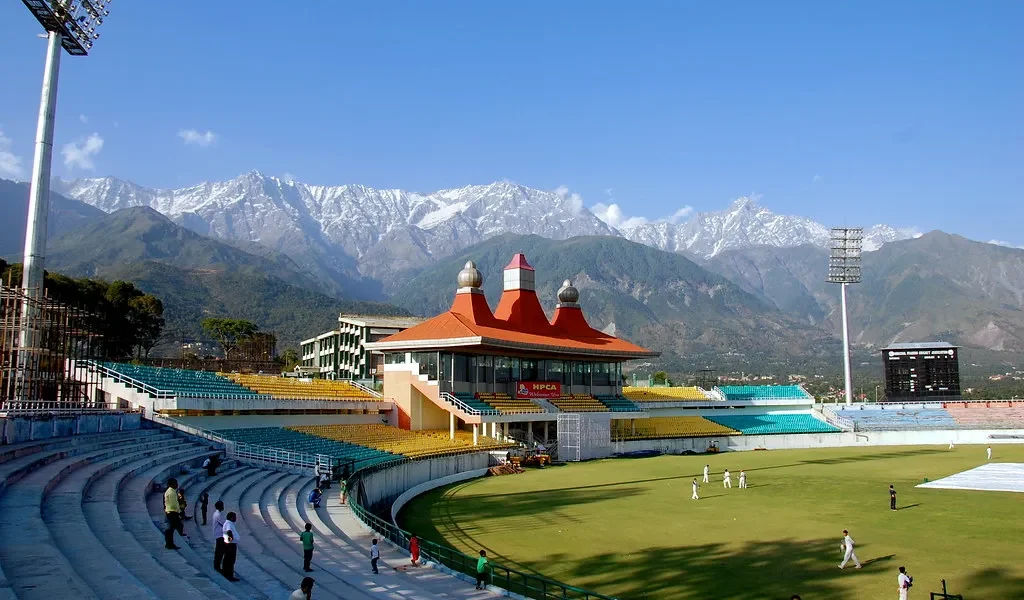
<point>825,440</point>
<point>389,484</point>
<point>14,430</point>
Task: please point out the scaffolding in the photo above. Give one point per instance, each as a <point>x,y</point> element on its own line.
<point>43,344</point>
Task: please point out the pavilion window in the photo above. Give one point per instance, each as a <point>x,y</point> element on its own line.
<point>528,370</point>
<point>461,367</point>
<point>502,369</point>
<point>486,364</point>
<point>445,366</point>
<point>601,374</point>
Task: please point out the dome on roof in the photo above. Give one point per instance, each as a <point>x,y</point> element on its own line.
<point>568,294</point>
<point>470,277</point>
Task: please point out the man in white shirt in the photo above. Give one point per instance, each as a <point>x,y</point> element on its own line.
<point>743,479</point>
<point>218,534</point>
<point>726,479</point>
<point>988,451</point>
<point>707,471</point>
<point>695,497</point>
<point>305,591</point>
<point>230,547</point>
<point>904,582</point>
<point>951,444</point>
<point>848,554</point>
<point>374,555</point>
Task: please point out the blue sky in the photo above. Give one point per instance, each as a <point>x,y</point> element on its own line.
<point>850,113</point>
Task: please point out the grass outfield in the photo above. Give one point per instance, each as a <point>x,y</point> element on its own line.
<point>628,528</point>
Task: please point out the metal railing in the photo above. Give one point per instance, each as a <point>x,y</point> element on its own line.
<point>128,381</point>
<point>525,584</point>
<point>51,407</point>
<point>836,420</point>
<point>366,389</point>
<point>454,401</point>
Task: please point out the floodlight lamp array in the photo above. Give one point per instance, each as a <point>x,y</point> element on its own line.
<point>844,260</point>
<point>77,21</point>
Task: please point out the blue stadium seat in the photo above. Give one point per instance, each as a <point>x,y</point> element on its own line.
<point>894,418</point>
<point>182,382</point>
<point>618,403</point>
<point>763,392</point>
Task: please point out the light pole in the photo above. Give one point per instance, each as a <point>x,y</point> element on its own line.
<point>71,25</point>
<point>844,269</point>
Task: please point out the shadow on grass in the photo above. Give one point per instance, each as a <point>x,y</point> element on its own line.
<point>899,508</point>
<point>756,570</point>
<point>987,583</point>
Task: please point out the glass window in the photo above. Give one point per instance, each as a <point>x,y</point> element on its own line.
<point>445,367</point>
<point>516,375</point>
<point>432,365</point>
<point>502,369</point>
<point>602,373</point>
<point>461,367</point>
<point>528,370</point>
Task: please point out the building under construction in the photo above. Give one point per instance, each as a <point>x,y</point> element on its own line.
<point>44,345</point>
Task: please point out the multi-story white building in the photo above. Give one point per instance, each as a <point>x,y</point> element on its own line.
<point>341,353</point>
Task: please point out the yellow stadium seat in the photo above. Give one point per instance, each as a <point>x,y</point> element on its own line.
<point>664,394</point>
<point>414,444</point>
<point>289,387</point>
<point>667,427</point>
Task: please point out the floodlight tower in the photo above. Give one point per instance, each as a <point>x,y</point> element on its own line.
<point>71,25</point>
<point>844,269</point>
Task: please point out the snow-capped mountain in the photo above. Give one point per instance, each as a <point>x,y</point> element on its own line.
<point>745,224</point>
<point>353,229</point>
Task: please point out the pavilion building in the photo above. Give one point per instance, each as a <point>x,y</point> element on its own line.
<point>470,366</point>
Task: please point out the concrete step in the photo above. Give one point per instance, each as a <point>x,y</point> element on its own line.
<point>245,495</point>
<point>179,579</point>
<point>250,573</point>
<point>36,568</point>
<point>11,451</point>
<point>67,524</point>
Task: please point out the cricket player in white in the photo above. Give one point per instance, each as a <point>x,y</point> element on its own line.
<point>904,582</point>
<point>695,497</point>
<point>726,479</point>
<point>848,554</point>
<point>950,444</point>
<point>707,470</point>
<point>988,451</point>
<point>743,479</point>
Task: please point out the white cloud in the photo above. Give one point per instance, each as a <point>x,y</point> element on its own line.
<point>816,179</point>
<point>1006,244</point>
<point>10,164</point>
<point>681,215</point>
<point>612,215</point>
<point>80,154</point>
<point>192,136</point>
<point>83,118</point>
<point>575,200</point>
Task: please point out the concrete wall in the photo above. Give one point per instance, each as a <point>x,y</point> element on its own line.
<point>824,440</point>
<point>426,486</point>
<point>239,421</point>
<point>15,430</point>
<point>387,485</point>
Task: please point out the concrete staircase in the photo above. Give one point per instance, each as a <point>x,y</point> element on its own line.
<point>82,517</point>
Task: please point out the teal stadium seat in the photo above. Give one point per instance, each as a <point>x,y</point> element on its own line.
<point>764,392</point>
<point>474,402</point>
<point>618,403</point>
<point>773,424</point>
<point>183,382</point>
<point>295,441</point>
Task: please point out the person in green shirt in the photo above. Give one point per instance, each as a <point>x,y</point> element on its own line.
<point>482,567</point>
<point>306,537</point>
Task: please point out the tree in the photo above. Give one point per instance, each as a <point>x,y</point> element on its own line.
<point>147,314</point>
<point>289,358</point>
<point>228,332</point>
<point>660,377</point>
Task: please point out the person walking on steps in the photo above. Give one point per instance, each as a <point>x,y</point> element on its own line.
<point>414,550</point>
<point>482,567</point>
<point>172,512</point>
<point>230,547</point>
<point>848,554</point>
<point>204,505</point>
<point>183,505</point>
<point>344,490</point>
<point>218,535</point>
<point>306,537</point>
<point>707,472</point>
<point>374,556</point>
<point>305,591</point>
<point>904,582</point>
<point>892,497</point>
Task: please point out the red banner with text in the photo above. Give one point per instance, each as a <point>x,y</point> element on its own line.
<point>538,389</point>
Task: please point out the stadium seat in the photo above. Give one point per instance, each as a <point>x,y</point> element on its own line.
<point>986,415</point>
<point>763,392</point>
<point>296,441</point>
<point>665,394</point>
<point>667,427</point>
<point>473,402</point>
<point>579,403</point>
<point>291,387</point>
<point>508,404</point>
<point>414,444</point>
<point>774,424</point>
<point>182,382</point>
<point>618,403</point>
